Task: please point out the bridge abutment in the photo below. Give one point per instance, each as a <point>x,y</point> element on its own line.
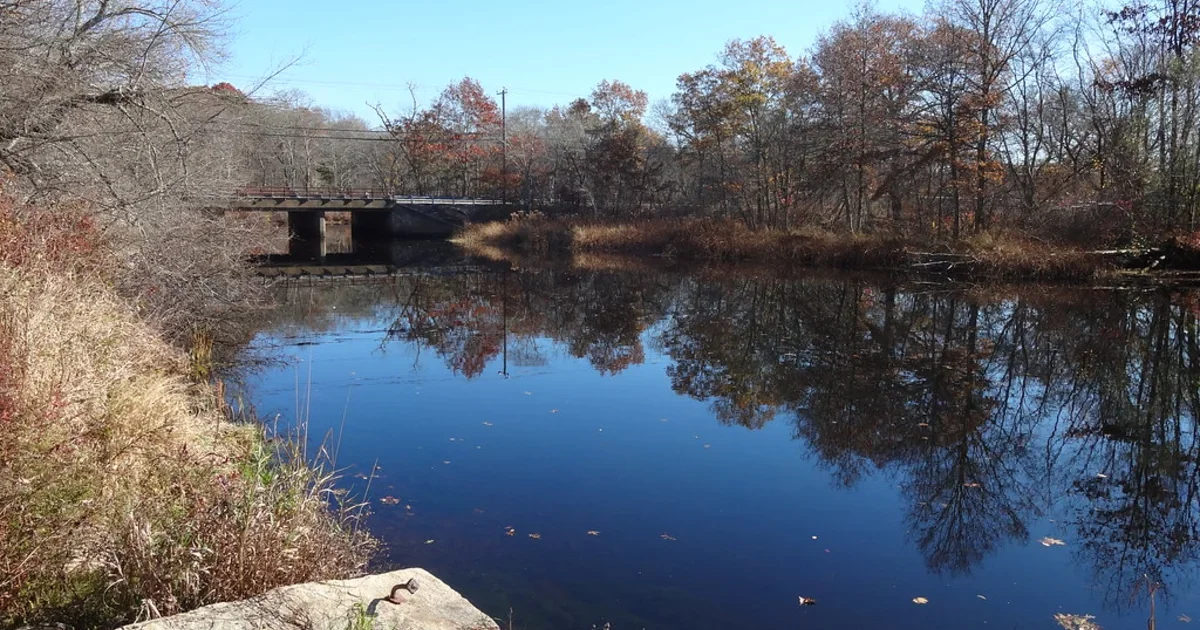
<point>306,234</point>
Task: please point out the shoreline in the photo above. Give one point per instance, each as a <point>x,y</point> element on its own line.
<point>719,243</point>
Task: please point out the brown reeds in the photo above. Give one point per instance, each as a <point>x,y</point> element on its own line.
<point>996,256</point>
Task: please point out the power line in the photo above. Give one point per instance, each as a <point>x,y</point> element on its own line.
<point>393,86</point>
<point>435,140</point>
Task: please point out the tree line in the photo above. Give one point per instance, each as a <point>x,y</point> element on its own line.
<point>976,114</point>
<point>1066,120</point>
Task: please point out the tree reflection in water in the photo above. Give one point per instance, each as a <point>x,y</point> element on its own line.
<point>991,409</point>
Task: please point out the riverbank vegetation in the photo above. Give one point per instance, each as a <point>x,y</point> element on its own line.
<point>127,490</point>
<point>694,240</point>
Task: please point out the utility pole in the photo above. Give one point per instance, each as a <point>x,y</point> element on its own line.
<point>504,146</point>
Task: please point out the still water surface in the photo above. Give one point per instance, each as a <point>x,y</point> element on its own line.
<point>734,443</point>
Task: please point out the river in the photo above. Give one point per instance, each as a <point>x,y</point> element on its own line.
<point>663,450</point>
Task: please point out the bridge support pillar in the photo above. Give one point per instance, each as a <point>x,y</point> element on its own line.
<point>306,235</point>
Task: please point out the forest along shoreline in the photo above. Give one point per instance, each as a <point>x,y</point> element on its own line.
<point>994,255</point>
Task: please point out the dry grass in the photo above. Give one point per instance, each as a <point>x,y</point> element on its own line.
<point>707,240</point>
<point>124,491</point>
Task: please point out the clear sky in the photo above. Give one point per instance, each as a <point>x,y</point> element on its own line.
<point>355,52</point>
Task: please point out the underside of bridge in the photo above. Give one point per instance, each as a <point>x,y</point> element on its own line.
<point>306,235</point>
<point>370,227</point>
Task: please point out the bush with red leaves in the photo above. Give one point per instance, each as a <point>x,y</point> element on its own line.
<point>63,238</point>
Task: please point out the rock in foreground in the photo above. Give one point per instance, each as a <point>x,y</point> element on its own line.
<point>338,605</point>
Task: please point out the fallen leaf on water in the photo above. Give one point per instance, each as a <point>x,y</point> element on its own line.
<point>667,537</point>
<point>510,531</point>
<point>807,601</point>
<point>920,600</point>
<point>430,541</point>
<point>1050,542</point>
<point>408,507</point>
<point>592,532</point>
<point>1076,622</point>
<point>1185,618</point>
<point>535,536</point>
<point>389,500</point>
<point>981,597</point>
<point>923,425</point>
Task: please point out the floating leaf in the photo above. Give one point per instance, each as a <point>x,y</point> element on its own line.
<point>1050,542</point>
<point>920,600</point>
<point>389,500</point>
<point>592,532</point>
<point>510,531</point>
<point>1076,622</point>
<point>535,536</point>
<point>807,601</point>
<point>981,597</point>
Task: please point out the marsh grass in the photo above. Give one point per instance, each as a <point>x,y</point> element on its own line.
<point>994,255</point>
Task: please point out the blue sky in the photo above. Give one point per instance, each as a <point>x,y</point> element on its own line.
<point>355,52</point>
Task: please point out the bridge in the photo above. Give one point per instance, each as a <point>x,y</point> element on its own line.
<point>376,216</point>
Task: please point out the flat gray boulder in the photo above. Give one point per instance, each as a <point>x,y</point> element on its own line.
<point>358,604</point>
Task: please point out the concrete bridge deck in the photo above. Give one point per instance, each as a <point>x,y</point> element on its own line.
<point>375,216</point>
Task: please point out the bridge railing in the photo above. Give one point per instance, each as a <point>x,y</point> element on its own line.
<point>349,194</point>
<point>309,193</point>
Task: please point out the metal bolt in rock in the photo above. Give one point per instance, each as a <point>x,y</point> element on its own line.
<point>411,586</point>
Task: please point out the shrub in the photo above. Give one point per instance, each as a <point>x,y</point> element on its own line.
<point>123,490</point>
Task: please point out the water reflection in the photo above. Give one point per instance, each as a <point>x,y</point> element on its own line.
<point>989,409</point>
